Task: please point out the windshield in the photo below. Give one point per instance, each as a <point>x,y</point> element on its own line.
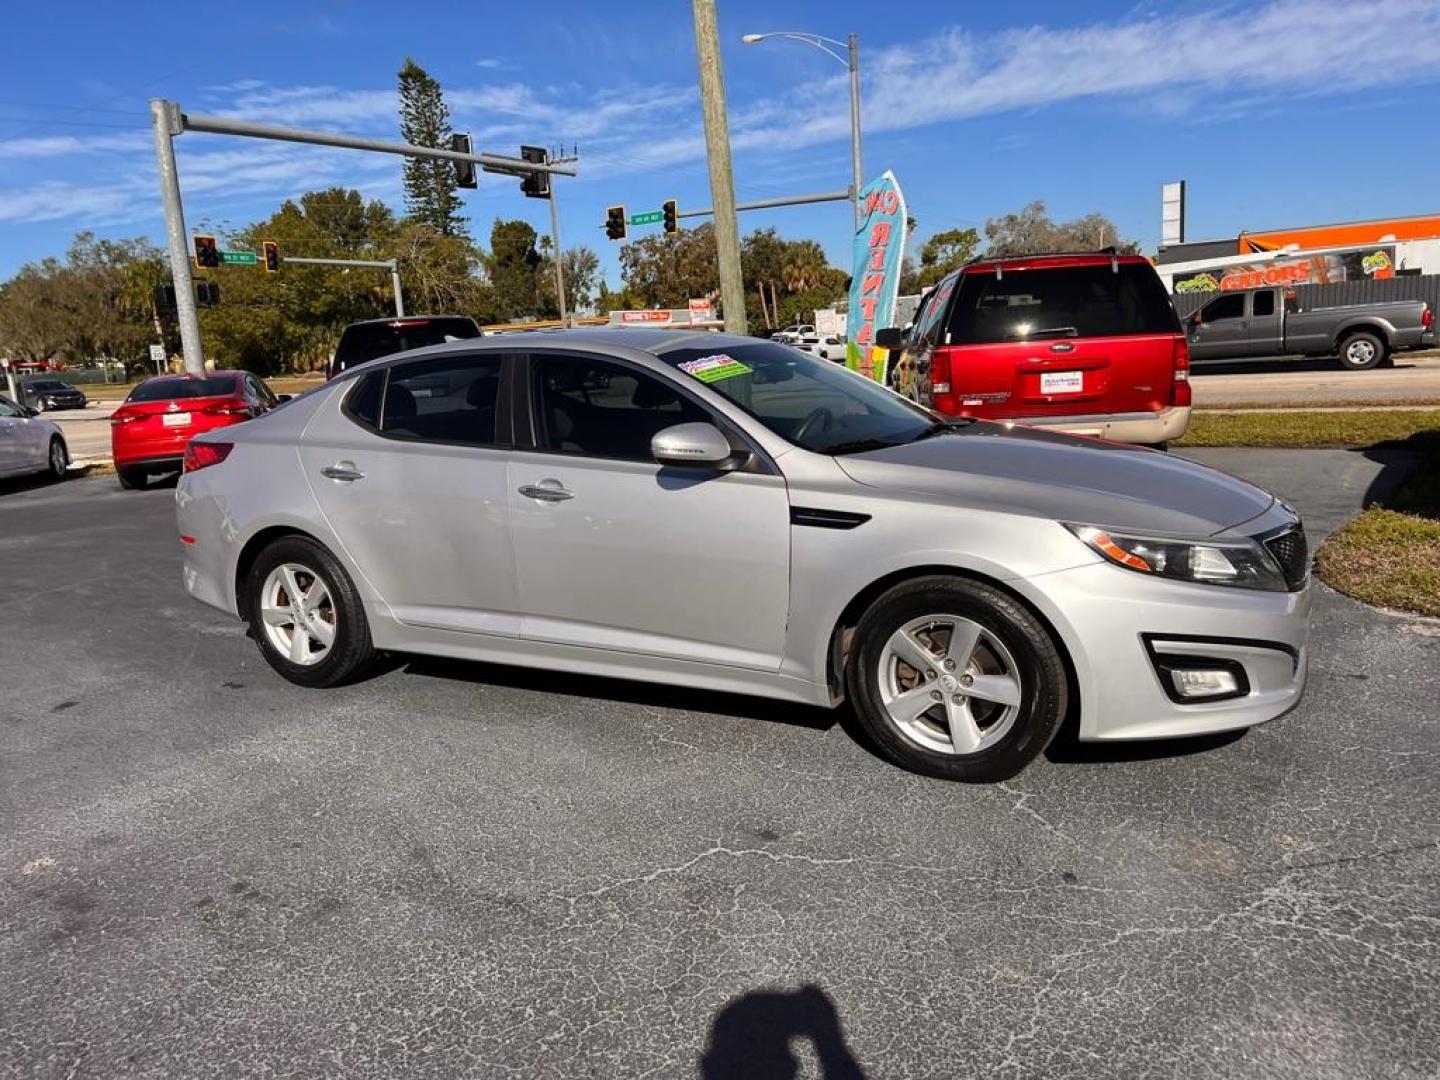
<point>182,387</point>
<point>1061,302</point>
<point>813,403</point>
<point>370,341</point>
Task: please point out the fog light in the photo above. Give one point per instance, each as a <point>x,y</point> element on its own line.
<point>1204,682</point>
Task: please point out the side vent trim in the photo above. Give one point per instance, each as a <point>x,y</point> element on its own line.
<point>817,518</point>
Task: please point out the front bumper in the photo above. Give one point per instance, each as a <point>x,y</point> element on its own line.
<point>1140,427</point>
<point>1116,622</point>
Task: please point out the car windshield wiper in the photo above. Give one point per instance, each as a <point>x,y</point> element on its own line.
<point>857,446</point>
<point>939,427</point>
<point>1049,331</point>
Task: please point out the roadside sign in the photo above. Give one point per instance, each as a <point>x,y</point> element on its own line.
<point>650,217</point>
<point>157,355</point>
<point>662,315</point>
<point>239,258</point>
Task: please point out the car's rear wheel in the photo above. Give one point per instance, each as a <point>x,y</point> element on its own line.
<point>59,459</point>
<point>130,477</point>
<point>1362,351</point>
<point>306,615</point>
<point>956,679</point>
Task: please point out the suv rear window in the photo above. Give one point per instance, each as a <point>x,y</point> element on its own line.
<point>1064,302</point>
<point>167,389</point>
<point>370,341</point>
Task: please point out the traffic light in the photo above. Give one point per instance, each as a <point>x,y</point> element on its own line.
<point>270,252</point>
<point>465,177</point>
<point>672,215</point>
<point>207,253</point>
<point>535,185</point>
<point>615,222</point>
<point>165,299</point>
<point>207,294</point>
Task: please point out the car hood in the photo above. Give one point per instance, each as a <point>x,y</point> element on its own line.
<point>1063,477</point>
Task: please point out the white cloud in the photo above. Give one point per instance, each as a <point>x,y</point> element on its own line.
<point>52,200</point>
<point>489,62</point>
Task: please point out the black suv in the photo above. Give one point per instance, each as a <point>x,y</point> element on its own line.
<point>375,338</point>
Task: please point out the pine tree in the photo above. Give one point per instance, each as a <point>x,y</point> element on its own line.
<point>425,121</point>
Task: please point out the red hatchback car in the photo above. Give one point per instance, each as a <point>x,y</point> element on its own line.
<point>149,431</point>
<point>1086,343</point>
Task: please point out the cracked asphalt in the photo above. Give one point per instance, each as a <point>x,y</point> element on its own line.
<point>454,869</point>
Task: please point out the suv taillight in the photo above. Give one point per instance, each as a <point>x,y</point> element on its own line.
<point>1427,317</point>
<point>201,455</point>
<point>1181,364</point>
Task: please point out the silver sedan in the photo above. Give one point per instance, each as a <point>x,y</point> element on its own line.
<point>728,513</point>
<point>29,443</point>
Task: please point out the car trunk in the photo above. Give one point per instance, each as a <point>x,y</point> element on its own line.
<point>168,425</point>
<point>1051,342</point>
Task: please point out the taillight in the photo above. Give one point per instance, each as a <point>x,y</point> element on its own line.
<point>122,416</point>
<point>201,455</point>
<point>1181,364</point>
<point>1427,317</point>
<point>939,371</point>
<point>228,408</point>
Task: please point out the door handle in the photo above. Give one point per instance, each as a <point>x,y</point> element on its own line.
<point>546,491</point>
<point>342,470</point>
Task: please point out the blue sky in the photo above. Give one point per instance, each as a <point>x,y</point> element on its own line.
<point>1278,113</point>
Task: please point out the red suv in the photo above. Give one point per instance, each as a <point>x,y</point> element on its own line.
<point>1086,343</point>
<point>149,431</point>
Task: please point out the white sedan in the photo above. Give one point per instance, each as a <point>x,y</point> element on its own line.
<point>29,444</point>
<point>827,347</point>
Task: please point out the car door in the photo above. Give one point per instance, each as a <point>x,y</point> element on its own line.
<point>614,551</point>
<point>409,470</point>
<point>1265,335</point>
<point>1220,328</point>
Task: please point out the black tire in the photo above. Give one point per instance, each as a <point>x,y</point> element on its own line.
<point>131,478</point>
<point>352,650</point>
<point>1362,350</point>
<point>59,458</point>
<point>1044,693</point>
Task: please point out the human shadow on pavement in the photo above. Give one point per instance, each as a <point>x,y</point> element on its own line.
<point>751,1037</point>
<point>1398,460</point>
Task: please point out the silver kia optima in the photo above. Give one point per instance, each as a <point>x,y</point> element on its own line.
<point>733,514</point>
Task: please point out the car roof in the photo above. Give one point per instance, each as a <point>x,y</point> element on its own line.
<point>654,340</point>
<point>218,373</point>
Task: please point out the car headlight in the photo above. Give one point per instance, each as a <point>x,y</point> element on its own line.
<point>1242,564</point>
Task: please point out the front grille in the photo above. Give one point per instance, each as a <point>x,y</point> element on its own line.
<point>1292,553</point>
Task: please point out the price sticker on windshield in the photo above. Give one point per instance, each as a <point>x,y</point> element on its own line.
<point>1062,382</point>
<point>710,369</point>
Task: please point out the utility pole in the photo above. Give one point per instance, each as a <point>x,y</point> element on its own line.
<point>722,178</point>
<point>165,118</point>
<point>854,45</point>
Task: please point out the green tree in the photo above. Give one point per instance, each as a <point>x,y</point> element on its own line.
<point>1032,231</point>
<point>512,266</point>
<point>944,252</point>
<point>668,270</point>
<point>581,268</point>
<point>430,192</point>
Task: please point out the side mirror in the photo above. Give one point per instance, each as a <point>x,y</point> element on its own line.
<point>892,337</point>
<point>280,399</point>
<point>1194,319</point>
<point>691,444</point>
<point>29,411</point>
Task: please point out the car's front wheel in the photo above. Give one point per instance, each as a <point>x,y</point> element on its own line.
<point>956,679</point>
<point>306,615</point>
<point>59,459</point>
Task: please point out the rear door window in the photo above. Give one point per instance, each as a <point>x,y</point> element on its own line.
<point>1224,307</point>
<point>1263,303</point>
<point>1062,302</point>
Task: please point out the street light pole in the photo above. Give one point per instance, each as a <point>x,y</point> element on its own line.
<point>722,178</point>
<point>852,64</point>
<point>165,119</point>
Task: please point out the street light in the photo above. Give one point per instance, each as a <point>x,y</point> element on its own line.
<point>852,64</point>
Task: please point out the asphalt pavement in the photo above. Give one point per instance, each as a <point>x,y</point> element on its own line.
<point>1415,377</point>
<point>456,869</point>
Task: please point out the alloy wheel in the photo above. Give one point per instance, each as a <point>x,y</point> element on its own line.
<point>57,459</point>
<point>949,685</point>
<point>298,613</point>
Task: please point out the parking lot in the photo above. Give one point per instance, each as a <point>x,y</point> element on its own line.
<point>461,869</point>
